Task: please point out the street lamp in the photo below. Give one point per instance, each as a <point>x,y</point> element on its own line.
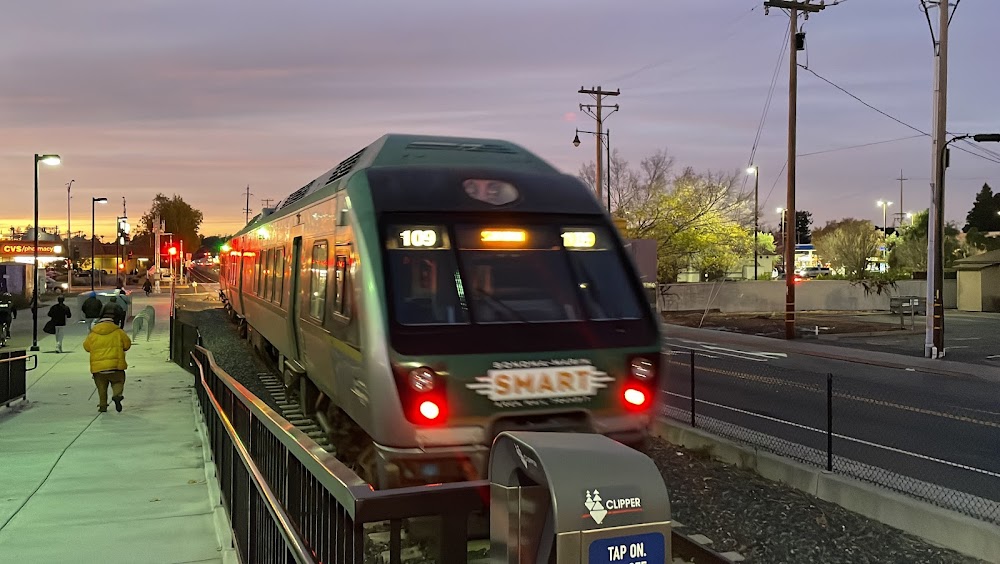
<point>934,337</point>
<point>93,254</point>
<point>755,171</point>
<point>605,139</point>
<point>50,160</point>
<point>885,228</point>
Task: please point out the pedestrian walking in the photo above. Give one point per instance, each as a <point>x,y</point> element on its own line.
<point>58,314</point>
<point>107,343</point>
<point>8,312</point>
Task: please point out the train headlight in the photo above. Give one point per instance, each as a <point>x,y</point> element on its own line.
<point>422,380</point>
<point>642,368</point>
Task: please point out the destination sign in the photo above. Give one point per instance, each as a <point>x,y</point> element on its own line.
<point>28,248</point>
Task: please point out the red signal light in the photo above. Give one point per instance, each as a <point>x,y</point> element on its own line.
<point>172,251</point>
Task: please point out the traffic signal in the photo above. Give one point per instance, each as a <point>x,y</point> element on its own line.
<point>172,251</point>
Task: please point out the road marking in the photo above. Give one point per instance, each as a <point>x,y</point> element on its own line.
<point>965,338</point>
<point>756,356</point>
<point>846,438</point>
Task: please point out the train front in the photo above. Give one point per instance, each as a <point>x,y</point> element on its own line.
<point>511,305</point>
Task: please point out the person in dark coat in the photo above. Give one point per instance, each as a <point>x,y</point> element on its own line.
<point>92,307</point>
<point>8,311</point>
<point>59,313</point>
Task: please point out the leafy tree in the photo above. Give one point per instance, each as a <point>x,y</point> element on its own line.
<point>212,243</point>
<point>181,219</point>
<point>765,242</point>
<point>700,220</point>
<point>909,251</point>
<point>803,225</point>
<point>848,244</point>
<point>985,212</point>
<point>980,241</point>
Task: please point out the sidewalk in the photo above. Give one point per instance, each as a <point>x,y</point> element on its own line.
<point>79,486</point>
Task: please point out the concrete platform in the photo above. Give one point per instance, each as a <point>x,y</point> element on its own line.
<point>82,486</point>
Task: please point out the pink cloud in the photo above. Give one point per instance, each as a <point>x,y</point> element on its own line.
<point>569,116</point>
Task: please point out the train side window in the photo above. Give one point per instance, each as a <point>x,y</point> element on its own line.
<point>279,274</point>
<point>340,301</point>
<point>256,275</point>
<point>317,279</point>
<point>267,275</point>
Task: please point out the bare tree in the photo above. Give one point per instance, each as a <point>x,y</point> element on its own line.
<point>848,244</point>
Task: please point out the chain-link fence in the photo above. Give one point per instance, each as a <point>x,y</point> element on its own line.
<point>886,430</point>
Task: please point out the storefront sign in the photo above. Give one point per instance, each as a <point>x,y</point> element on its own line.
<point>28,248</point>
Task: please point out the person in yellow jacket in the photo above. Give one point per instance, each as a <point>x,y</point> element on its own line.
<point>107,343</point>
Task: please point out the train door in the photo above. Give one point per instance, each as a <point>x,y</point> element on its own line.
<point>293,297</point>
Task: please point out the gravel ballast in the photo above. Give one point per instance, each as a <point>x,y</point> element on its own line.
<point>764,521</point>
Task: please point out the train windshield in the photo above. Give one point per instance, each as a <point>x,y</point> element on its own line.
<point>486,274</point>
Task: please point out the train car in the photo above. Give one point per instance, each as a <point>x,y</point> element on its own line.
<point>429,292</point>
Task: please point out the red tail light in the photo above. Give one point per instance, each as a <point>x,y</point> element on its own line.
<point>635,397</point>
<point>639,386</point>
<point>430,410</point>
<point>423,395</point>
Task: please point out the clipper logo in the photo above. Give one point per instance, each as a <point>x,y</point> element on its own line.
<point>525,460</point>
<point>598,509</point>
<point>595,507</point>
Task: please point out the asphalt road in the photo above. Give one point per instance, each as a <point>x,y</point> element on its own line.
<point>942,429</point>
<point>968,337</point>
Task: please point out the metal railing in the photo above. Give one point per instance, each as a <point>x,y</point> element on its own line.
<point>838,424</point>
<point>291,501</point>
<point>13,375</point>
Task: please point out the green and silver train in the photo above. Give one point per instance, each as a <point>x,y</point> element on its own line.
<point>429,292</point>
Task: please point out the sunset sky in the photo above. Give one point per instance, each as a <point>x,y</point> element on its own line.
<point>202,98</point>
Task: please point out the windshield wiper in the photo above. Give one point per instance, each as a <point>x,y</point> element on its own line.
<point>498,302</point>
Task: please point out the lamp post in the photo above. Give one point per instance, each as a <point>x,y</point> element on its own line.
<point>93,238</point>
<point>69,238</point>
<point>885,227</point>
<point>755,171</point>
<point>604,139</point>
<point>50,160</point>
<point>934,338</point>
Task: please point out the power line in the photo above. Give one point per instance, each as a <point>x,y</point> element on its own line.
<point>833,150</point>
<point>767,102</point>
<point>899,121</point>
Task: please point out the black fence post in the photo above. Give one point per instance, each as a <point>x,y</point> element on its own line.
<point>829,422</point>
<point>692,390</point>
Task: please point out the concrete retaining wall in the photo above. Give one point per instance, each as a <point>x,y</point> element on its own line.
<point>769,295</point>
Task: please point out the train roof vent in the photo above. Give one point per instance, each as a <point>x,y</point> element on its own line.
<point>293,197</point>
<point>345,166</point>
<point>469,147</point>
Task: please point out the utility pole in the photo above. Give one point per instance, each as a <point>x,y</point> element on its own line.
<point>247,209</point>
<point>797,43</point>
<point>594,110</point>
<point>69,237</point>
<point>934,331</point>
<point>902,210</point>
<point>266,202</point>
